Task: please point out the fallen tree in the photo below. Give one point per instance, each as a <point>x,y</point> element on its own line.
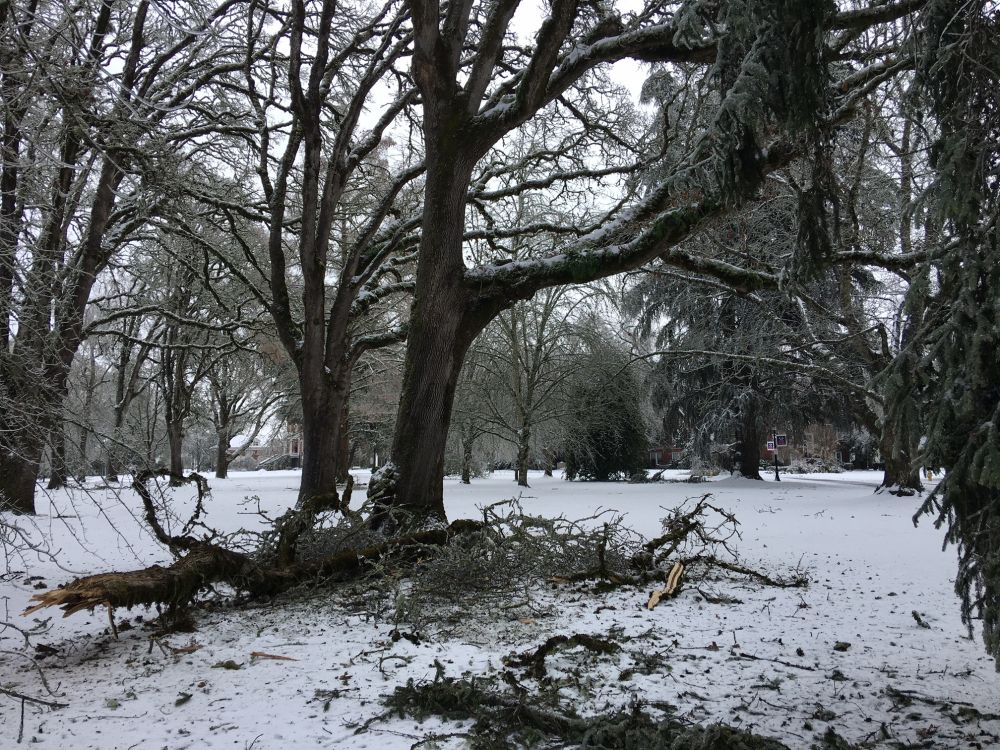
<point>201,562</point>
<point>463,563</point>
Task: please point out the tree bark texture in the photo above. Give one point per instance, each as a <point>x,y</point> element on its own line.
<point>900,473</point>
<point>523,454</point>
<point>442,327</point>
<point>175,440</point>
<point>58,472</point>
<point>222,454</point>
<point>18,476</point>
<point>750,450</point>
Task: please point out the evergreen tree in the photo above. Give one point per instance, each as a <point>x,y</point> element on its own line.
<point>952,359</point>
<point>605,432</point>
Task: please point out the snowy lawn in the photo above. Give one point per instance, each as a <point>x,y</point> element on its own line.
<point>766,661</point>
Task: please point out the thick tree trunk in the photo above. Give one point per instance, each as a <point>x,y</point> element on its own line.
<point>17,483</point>
<point>58,472</point>
<point>322,408</point>
<point>344,445</point>
<point>523,453</point>
<point>434,355</point>
<point>442,327</point>
<point>466,460</point>
<point>750,450</point>
<point>175,439</point>
<point>900,475</point>
<point>222,454</point>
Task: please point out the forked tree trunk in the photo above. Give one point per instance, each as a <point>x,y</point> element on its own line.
<point>17,483</point>
<point>750,452</point>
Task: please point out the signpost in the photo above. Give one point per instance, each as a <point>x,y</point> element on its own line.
<point>773,444</point>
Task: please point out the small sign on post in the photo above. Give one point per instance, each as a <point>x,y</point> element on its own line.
<point>770,445</point>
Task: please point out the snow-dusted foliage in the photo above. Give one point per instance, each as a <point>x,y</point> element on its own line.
<point>956,303</point>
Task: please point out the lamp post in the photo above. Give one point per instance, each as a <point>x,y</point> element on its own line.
<point>774,437</point>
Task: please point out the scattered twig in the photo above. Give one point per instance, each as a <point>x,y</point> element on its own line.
<point>743,655</point>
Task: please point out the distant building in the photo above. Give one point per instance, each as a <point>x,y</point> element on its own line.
<point>661,456</point>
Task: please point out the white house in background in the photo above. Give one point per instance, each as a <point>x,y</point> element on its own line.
<point>293,439</point>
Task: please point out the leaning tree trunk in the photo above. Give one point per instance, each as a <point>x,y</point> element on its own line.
<point>18,476</point>
<point>750,450</point>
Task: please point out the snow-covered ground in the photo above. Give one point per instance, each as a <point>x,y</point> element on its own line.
<point>767,662</point>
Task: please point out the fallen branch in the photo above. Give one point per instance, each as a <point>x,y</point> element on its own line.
<point>523,718</point>
<point>535,660</point>
<point>685,528</point>
<point>207,563</point>
<point>714,562</point>
<point>743,655</point>
<point>31,699</point>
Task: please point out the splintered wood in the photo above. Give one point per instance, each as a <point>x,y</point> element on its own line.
<point>672,588</point>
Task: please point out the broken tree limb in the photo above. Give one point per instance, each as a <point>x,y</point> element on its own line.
<point>183,541</point>
<point>714,562</point>
<point>207,563</point>
<point>535,660</point>
<point>672,589</point>
<point>684,528</point>
<point>296,521</point>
